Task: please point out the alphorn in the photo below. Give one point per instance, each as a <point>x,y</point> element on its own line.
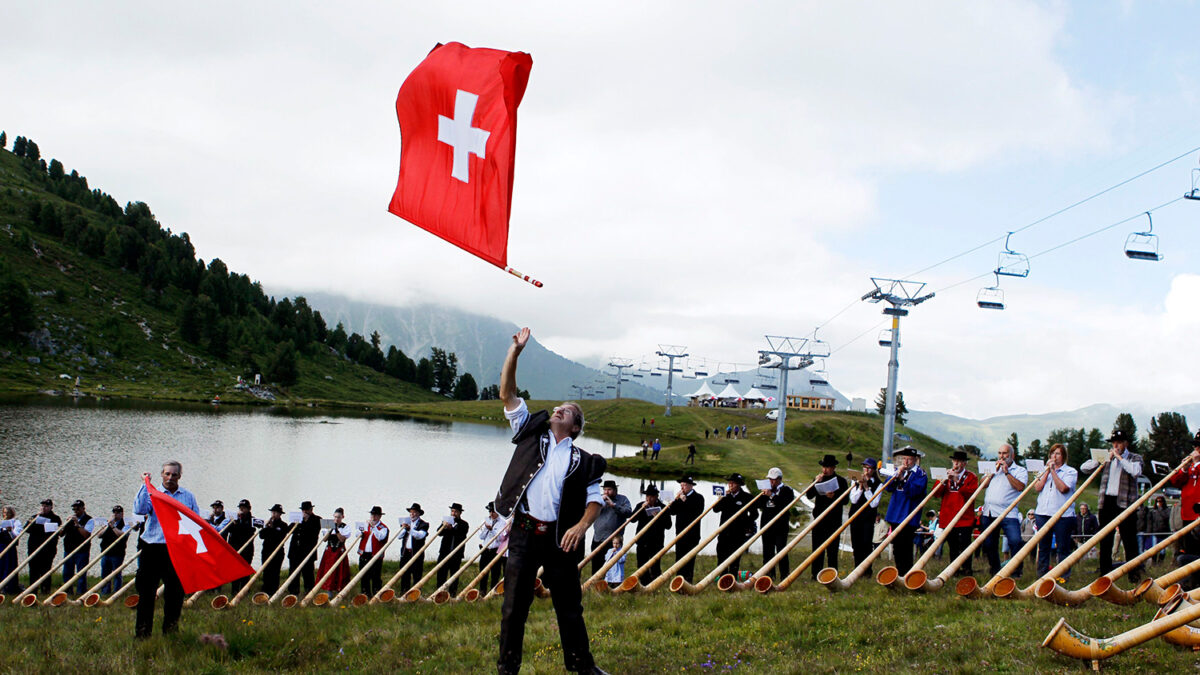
<point>386,594</point>
<point>598,578</point>
<point>441,596</point>
<point>828,577</point>
<point>261,598</point>
<point>1003,578</point>
<point>17,570</point>
<point>316,595</point>
<point>362,571</point>
<point>681,585</point>
<point>1047,587</point>
<point>413,594</point>
<point>1104,587</point>
<point>471,593</point>
<point>1151,590</point>
<point>889,575</point>
<point>767,584</point>
<point>27,597</point>
<point>629,582</point>
<point>1070,642</point>
<point>1183,636</point>
<point>222,601</point>
<point>728,582</point>
<point>603,546</point>
<point>91,597</point>
<point>17,538</point>
<point>60,596</point>
<point>191,599</point>
<point>636,585</point>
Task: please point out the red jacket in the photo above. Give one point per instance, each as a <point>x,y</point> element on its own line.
<point>953,497</point>
<point>1188,480</point>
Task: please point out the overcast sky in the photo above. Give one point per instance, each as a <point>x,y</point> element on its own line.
<point>693,173</point>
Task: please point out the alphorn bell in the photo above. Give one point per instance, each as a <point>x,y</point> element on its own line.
<point>1185,635</point>
<point>261,598</point>
<point>918,580</point>
<point>442,596</point>
<point>386,594</point>
<point>828,577</point>
<point>1105,587</point>
<point>889,575</point>
<point>681,585</point>
<point>222,601</point>
<point>27,597</point>
<point>597,579</point>
<point>637,574</point>
<point>91,597</point>
<point>362,571</point>
<point>728,582</point>
<point>1151,590</point>
<point>11,544</point>
<point>413,594</point>
<point>1004,576</point>
<point>1070,642</point>
<point>632,584</point>
<point>766,584</point>
<point>470,593</point>
<point>60,596</point>
<point>1047,587</point>
<point>316,595</point>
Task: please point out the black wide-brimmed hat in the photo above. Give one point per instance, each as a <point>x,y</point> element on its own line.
<point>491,506</point>
<point>687,479</point>
<point>456,507</point>
<point>278,508</point>
<point>907,451</point>
<point>959,455</point>
<point>245,503</point>
<point>376,511</point>
<point>305,505</point>
<point>417,507</point>
<point>78,503</point>
<point>828,460</point>
<point>218,503</point>
<point>609,484</point>
<point>1119,435</point>
<point>1196,440</point>
<point>650,491</point>
<point>736,478</point>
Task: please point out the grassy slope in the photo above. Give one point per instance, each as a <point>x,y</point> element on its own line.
<point>102,311</point>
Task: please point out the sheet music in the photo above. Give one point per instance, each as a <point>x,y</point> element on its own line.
<point>1099,455</point>
<point>666,496</point>
<point>1034,466</point>
<point>939,472</point>
<point>828,487</point>
<point>986,467</point>
<point>763,484</point>
<point>360,526</point>
<point>1160,468</point>
<point>50,527</point>
<point>295,516</point>
<point>652,510</point>
<point>448,520</point>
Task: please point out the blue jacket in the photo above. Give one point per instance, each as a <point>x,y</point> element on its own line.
<point>906,495</point>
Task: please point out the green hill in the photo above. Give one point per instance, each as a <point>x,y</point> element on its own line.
<point>94,291</point>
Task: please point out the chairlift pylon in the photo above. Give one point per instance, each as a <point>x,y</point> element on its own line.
<point>1143,245</point>
<point>991,297</point>
<point>1011,263</point>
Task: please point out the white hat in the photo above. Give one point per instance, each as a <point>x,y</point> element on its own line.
<point>775,473</point>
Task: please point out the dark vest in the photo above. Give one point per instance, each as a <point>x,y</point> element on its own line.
<point>533,442</point>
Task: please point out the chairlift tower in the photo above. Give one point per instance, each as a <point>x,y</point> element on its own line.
<point>620,365</point>
<point>899,294</point>
<point>788,353</point>
<point>670,353</point>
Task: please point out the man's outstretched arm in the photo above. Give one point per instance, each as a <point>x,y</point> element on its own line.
<point>508,373</point>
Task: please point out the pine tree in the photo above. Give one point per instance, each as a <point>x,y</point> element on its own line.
<point>1170,440</point>
<point>465,388</point>
<point>283,368</point>
<point>901,409</point>
<point>3,139</point>
<point>1014,443</point>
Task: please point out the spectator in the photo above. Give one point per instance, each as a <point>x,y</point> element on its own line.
<point>1088,524</point>
<point>1160,523</point>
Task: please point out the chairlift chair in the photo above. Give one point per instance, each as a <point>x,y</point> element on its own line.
<point>991,297</point>
<point>701,373</point>
<point>818,382</point>
<point>1143,245</point>
<point>885,337</point>
<point>1011,263</point>
<point>1195,193</point>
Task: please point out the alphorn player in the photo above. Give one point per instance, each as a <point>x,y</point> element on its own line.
<point>651,542</point>
<point>686,508</point>
<point>272,534</point>
<point>217,518</point>
<point>413,531</point>
<point>908,489</point>
<point>732,537</point>
<point>303,541</point>
<point>613,514</point>
<point>1008,481</point>
<point>489,537</point>
<point>453,535</point>
<point>375,535</point>
<point>74,532</point>
<point>44,526</point>
<point>10,529</point>
<point>154,565</point>
<point>824,529</point>
<point>335,546</point>
<point>552,488</point>
<point>1054,488</point>
<point>958,489</point>
<point>1187,480</point>
<point>862,528</point>
<point>240,531</point>
<point>1118,489</point>
<point>778,497</point>
<point>111,560</point>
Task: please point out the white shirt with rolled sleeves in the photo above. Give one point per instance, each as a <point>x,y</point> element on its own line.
<point>489,533</point>
<point>856,493</point>
<point>1113,486</point>
<point>544,493</point>
<point>1051,499</point>
<point>378,532</point>
<point>1000,493</point>
<point>411,533</point>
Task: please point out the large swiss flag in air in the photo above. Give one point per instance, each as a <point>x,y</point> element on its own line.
<point>458,133</point>
<point>201,558</point>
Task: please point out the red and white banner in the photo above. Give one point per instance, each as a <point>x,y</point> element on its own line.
<point>458,133</point>
<point>202,558</point>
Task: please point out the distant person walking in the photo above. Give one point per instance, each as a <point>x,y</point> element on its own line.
<point>657,447</point>
<point>691,456</point>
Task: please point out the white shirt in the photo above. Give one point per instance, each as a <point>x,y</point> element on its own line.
<point>379,532</point>
<point>1113,486</point>
<point>544,493</point>
<point>1001,494</point>
<point>856,493</point>
<point>411,533</point>
<point>490,533</point>
<point>1050,499</point>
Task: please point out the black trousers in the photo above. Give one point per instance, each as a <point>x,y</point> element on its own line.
<point>688,570</point>
<point>526,553</point>
<point>959,540</point>
<point>270,575</point>
<point>829,557</point>
<point>902,548</point>
<point>644,553</point>
<point>727,543</point>
<point>307,574</point>
<point>154,567</point>
<point>239,584</point>
<point>773,543</point>
<point>494,575</point>
<point>1128,530</point>
<point>39,565</point>
<point>452,565</point>
<point>862,533</point>
<point>413,574</point>
<point>372,581</point>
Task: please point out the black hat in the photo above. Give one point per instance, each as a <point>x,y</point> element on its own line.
<point>829,460</point>
<point>77,503</point>
<point>245,503</point>
<point>1196,440</point>
<point>118,509</point>
<point>456,507</point>
<point>340,510</point>
<point>305,505</point>
<point>415,507</point>
<point>650,491</point>
<point>959,455</point>
<point>1119,435</point>
<point>687,479</point>
<point>218,503</point>
<point>907,451</point>
<point>47,502</point>
<point>736,478</point>
<point>491,506</point>
<point>609,484</point>
<point>278,508</point>
<point>376,511</point>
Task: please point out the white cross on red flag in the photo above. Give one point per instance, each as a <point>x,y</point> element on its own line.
<point>202,559</point>
<point>458,133</point>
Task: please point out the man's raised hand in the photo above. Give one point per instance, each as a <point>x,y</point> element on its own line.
<point>521,338</point>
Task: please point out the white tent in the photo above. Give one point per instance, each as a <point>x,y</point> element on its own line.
<point>729,393</point>
<point>755,395</point>
<point>704,392</point>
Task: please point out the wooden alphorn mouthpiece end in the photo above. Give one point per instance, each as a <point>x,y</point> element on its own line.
<point>827,576</point>
<point>289,600</point>
<point>1170,594</point>
<point>628,585</point>
<point>915,580</point>
<point>220,602</point>
<point>260,598</point>
<point>472,595</point>
<point>681,585</point>
<point>888,576</point>
<point>967,587</point>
